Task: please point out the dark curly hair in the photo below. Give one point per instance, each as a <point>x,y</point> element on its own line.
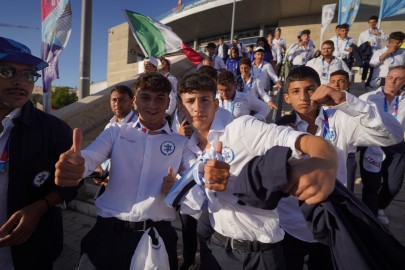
<point>153,81</point>
<point>196,82</point>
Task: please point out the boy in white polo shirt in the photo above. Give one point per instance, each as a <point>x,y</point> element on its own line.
<point>141,153</point>
<point>236,102</point>
<point>246,235</point>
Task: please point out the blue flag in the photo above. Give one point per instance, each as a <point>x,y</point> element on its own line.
<point>348,10</point>
<point>56,18</point>
<point>391,8</point>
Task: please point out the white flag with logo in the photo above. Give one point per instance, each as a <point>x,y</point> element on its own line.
<point>328,12</point>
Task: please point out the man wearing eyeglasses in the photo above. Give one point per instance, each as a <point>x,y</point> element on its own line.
<point>31,232</point>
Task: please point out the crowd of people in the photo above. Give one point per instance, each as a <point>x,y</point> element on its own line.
<point>245,189</point>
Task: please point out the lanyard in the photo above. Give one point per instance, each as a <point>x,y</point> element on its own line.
<point>387,105</point>
<point>249,86</point>
<point>4,156</point>
<point>323,65</point>
<point>232,106</point>
<point>132,117</point>
<point>260,68</point>
<point>150,132</point>
<point>326,128</point>
<point>337,45</point>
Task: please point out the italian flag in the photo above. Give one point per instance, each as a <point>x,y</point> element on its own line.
<point>156,39</point>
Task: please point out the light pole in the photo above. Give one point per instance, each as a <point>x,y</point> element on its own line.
<point>85,49</point>
<point>233,19</point>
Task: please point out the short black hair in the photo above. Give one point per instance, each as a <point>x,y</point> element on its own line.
<point>166,61</point>
<point>340,72</point>
<point>211,45</point>
<point>208,70</point>
<point>153,81</point>
<point>329,42</point>
<point>245,61</point>
<point>337,26</point>
<point>305,32</point>
<point>226,77</point>
<point>302,73</point>
<point>374,18</point>
<point>196,82</point>
<point>345,26</point>
<point>400,36</point>
<point>122,89</point>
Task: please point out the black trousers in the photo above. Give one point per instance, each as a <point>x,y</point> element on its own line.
<point>351,166</point>
<point>295,251</point>
<point>111,248</point>
<point>225,258</point>
<point>367,68</point>
<point>379,189</point>
<point>189,234</point>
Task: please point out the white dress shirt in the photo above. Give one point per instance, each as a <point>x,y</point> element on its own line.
<point>281,43</point>
<point>265,72</point>
<point>256,88</point>
<point>354,122</point>
<point>244,104</point>
<point>381,67</point>
<point>139,161</point>
<point>324,69</point>
<point>299,55</point>
<point>243,139</point>
<point>378,97</point>
<point>342,46</point>
<point>375,41</point>
<point>6,261</point>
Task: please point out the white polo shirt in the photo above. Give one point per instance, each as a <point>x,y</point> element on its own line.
<point>324,69</point>
<point>131,117</point>
<point>243,139</point>
<point>139,161</point>
<point>244,104</point>
<point>381,67</point>
<point>354,122</point>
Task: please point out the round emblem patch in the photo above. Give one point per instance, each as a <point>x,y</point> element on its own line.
<point>167,148</point>
<point>228,154</point>
<point>40,178</point>
<point>237,104</point>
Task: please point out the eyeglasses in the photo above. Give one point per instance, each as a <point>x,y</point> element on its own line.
<point>11,72</point>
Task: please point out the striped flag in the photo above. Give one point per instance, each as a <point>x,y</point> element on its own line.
<point>348,11</point>
<point>156,39</point>
<point>56,17</point>
<point>391,8</point>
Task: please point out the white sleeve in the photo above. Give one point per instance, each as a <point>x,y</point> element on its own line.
<point>261,108</point>
<point>346,68</point>
<point>272,74</point>
<point>366,125</point>
<point>258,90</point>
<point>221,63</point>
<point>375,59</point>
<point>361,39</point>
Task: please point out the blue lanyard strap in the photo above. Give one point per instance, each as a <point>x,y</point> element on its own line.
<point>387,104</point>
<point>326,128</point>
<point>4,156</point>
<point>232,106</point>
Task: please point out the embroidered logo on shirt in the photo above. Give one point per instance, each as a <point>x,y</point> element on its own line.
<point>237,104</point>
<point>40,178</point>
<point>167,148</point>
<point>228,154</point>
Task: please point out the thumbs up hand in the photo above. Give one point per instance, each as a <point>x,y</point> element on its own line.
<point>70,166</point>
<point>168,181</point>
<point>217,172</point>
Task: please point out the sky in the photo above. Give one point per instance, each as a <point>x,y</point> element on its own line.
<point>106,14</point>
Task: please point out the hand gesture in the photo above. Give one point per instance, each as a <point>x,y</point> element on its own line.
<point>70,167</point>
<point>311,180</point>
<point>185,129</point>
<point>22,224</point>
<point>217,172</point>
<point>327,96</point>
<point>168,181</point>
<point>272,105</point>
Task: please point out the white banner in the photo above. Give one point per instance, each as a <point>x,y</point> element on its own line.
<point>328,12</point>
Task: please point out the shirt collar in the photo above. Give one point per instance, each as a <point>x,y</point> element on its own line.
<point>165,126</point>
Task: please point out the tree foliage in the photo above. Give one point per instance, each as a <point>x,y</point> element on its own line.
<point>61,97</point>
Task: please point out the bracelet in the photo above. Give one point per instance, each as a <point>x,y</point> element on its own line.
<point>47,202</point>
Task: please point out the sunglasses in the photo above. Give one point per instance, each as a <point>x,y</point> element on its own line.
<point>11,72</point>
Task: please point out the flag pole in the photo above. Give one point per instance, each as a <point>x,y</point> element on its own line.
<point>380,14</point>
<point>339,11</point>
<point>85,49</point>
<point>233,19</point>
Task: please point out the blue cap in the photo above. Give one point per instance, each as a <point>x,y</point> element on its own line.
<point>13,51</point>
